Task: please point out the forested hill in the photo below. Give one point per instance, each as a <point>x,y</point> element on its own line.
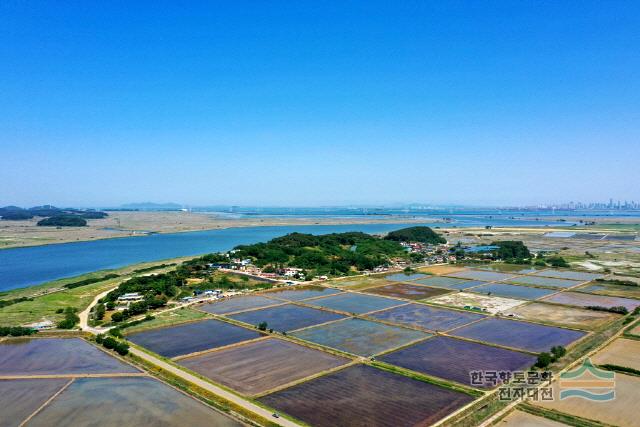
<point>419,234</point>
<point>329,254</point>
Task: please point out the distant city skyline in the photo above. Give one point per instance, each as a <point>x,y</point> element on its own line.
<point>309,104</point>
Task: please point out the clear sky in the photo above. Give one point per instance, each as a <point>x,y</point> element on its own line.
<point>319,102</point>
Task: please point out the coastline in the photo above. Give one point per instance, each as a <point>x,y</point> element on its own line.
<point>141,224</point>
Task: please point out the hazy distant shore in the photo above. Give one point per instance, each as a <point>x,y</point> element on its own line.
<point>14,234</point>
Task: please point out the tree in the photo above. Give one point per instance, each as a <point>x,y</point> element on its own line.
<point>118,316</point>
<point>544,360</point>
<point>70,319</point>
<point>99,311</point>
<point>262,326</point>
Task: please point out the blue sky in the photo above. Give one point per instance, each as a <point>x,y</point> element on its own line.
<point>314,103</point>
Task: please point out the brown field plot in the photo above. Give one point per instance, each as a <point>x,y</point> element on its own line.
<point>561,315</point>
<point>622,411</point>
<point>621,352</point>
<point>263,365</point>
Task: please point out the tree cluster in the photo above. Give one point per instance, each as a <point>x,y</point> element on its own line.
<point>419,234</point>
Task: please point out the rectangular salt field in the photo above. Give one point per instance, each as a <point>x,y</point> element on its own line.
<point>259,366</point>
<point>454,359</point>
<point>361,337</point>
<point>62,356</point>
<point>549,282</point>
<point>349,302</point>
<point>448,282</point>
<point>521,335</point>
<point>126,401</point>
<point>402,277</point>
<point>487,276</point>
<point>427,317</point>
<point>513,291</point>
<point>230,305</point>
<point>572,275</point>
<point>407,291</point>
<point>21,398</point>
<point>287,317</point>
<point>364,396</point>
<point>297,293</point>
<point>191,337</point>
<point>585,300</point>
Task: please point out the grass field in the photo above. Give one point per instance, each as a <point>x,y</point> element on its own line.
<point>52,296</point>
<point>168,318</point>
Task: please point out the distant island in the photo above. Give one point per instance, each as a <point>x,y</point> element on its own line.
<point>52,216</point>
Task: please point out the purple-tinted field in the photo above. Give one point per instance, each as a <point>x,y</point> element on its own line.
<point>262,365</point>
<point>126,401</point>
<point>286,317</point>
<point>401,277</point>
<point>512,291</point>
<point>573,275</point>
<point>238,304</point>
<point>454,359</point>
<point>448,282</point>
<point>407,291</point>
<point>301,292</point>
<point>585,300</point>
<point>550,282</point>
<point>355,303</point>
<point>20,398</point>
<point>47,356</point>
<point>366,396</point>
<point>487,276</point>
<point>423,316</point>
<point>191,337</point>
<point>526,336</point>
<point>361,337</point>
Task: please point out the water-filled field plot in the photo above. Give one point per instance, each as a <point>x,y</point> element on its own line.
<point>355,303</point>
<point>571,275</point>
<point>259,366</point>
<point>286,317</point>
<point>509,268</point>
<point>191,337</point>
<point>548,282</point>
<point>402,277</point>
<point>61,356</point>
<point>587,300</point>
<point>621,352</point>
<point>427,317</point>
<point>521,335</point>
<point>600,288</point>
<point>621,411</point>
<point>477,302</point>
<point>20,398</point>
<point>564,316</point>
<point>132,401</point>
<point>455,359</point>
<point>512,291</point>
<point>361,337</point>
<point>242,303</point>
<point>448,282</point>
<point>366,396</point>
<point>301,292</point>
<point>357,283</point>
<point>487,276</point>
<point>407,291</point>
